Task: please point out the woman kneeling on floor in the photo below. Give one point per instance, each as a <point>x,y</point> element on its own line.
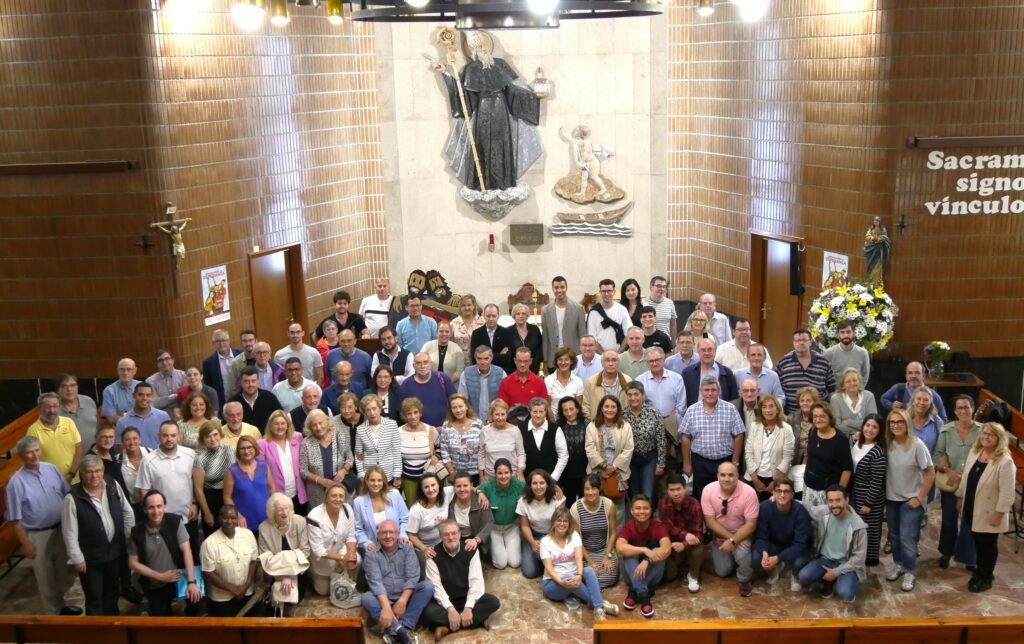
<point>565,577</point>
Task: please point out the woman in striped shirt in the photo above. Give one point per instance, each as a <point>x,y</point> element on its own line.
<point>595,516</point>
<point>418,441</point>
<point>377,442</point>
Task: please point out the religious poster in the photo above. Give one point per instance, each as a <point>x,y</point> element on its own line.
<point>216,306</point>
<point>835,270</point>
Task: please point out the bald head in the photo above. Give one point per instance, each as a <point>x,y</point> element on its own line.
<point>126,370</point>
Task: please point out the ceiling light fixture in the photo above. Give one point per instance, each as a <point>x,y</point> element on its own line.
<point>502,14</point>
<point>279,13</point>
<point>752,10</point>
<point>705,7</point>
<point>248,14</point>
<point>335,12</point>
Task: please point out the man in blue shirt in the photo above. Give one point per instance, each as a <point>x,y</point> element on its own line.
<point>415,330</point>
<point>348,351</point>
<point>898,396</point>
<point>783,535</point>
<point>396,597</point>
<point>35,496</point>
<point>117,396</point>
<point>143,417</point>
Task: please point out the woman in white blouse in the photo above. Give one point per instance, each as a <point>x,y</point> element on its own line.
<point>445,354</point>
<point>769,447</point>
<point>562,382</point>
<point>332,539</point>
<point>851,404</point>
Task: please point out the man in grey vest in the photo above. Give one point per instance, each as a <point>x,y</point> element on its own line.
<point>459,598</point>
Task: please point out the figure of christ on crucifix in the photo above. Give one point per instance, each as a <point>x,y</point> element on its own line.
<point>173,229</point>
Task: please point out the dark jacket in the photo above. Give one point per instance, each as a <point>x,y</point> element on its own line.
<point>212,376</point>
<point>500,343</point>
<point>726,383</point>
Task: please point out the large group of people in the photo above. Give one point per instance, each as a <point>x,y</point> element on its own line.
<point>607,444</point>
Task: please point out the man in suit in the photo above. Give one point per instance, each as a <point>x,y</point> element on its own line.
<point>563,322</point>
<point>217,365</point>
<point>494,336</point>
<point>707,366</point>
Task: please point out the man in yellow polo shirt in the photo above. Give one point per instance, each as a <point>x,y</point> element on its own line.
<point>58,436</point>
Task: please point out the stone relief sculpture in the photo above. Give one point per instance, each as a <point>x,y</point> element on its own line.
<point>587,184</point>
<point>491,152</point>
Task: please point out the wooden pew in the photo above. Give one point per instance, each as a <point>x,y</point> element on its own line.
<point>951,630</point>
<point>10,434</point>
<point>174,630</point>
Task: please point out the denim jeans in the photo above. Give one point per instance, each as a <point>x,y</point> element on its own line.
<point>530,560</point>
<point>904,530</point>
<point>846,583</point>
<point>655,571</point>
<point>641,475</point>
<point>421,596</point>
<point>955,540</point>
<point>738,561</point>
<point>589,589</point>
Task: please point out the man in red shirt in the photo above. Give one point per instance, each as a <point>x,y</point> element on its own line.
<point>644,545</point>
<point>682,516</point>
<point>522,385</point>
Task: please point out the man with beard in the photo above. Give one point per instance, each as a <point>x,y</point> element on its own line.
<point>503,116</point>
<point>847,354</point>
<point>392,355</point>
<point>841,545</point>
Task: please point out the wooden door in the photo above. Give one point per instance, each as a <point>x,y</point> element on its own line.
<point>275,279</point>
<point>773,305</point>
<point>779,308</point>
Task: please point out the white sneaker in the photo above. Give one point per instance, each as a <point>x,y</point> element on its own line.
<point>599,615</point>
<point>692,584</point>
<point>909,581</point>
<point>610,608</point>
<point>773,576</point>
<point>572,603</point>
<point>895,573</point>
<point>794,583</point>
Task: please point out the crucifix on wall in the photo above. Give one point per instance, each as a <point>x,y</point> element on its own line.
<point>173,229</point>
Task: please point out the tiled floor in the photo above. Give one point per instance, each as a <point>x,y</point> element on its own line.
<point>526,617</point>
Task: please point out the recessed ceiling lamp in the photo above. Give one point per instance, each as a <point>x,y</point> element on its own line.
<point>705,7</point>
<point>419,4</point>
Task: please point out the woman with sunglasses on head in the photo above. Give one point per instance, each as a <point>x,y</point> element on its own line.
<point>908,479</point>
<point>987,491</point>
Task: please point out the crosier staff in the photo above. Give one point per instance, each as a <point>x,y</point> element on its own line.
<point>447,36</point>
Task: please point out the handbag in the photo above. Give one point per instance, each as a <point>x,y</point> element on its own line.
<point>439,469</point>
<point>942,482</point>
<point>611,488</point>
<point>343,592</point>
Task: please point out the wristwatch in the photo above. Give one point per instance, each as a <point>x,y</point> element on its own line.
<point>193,581</point>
